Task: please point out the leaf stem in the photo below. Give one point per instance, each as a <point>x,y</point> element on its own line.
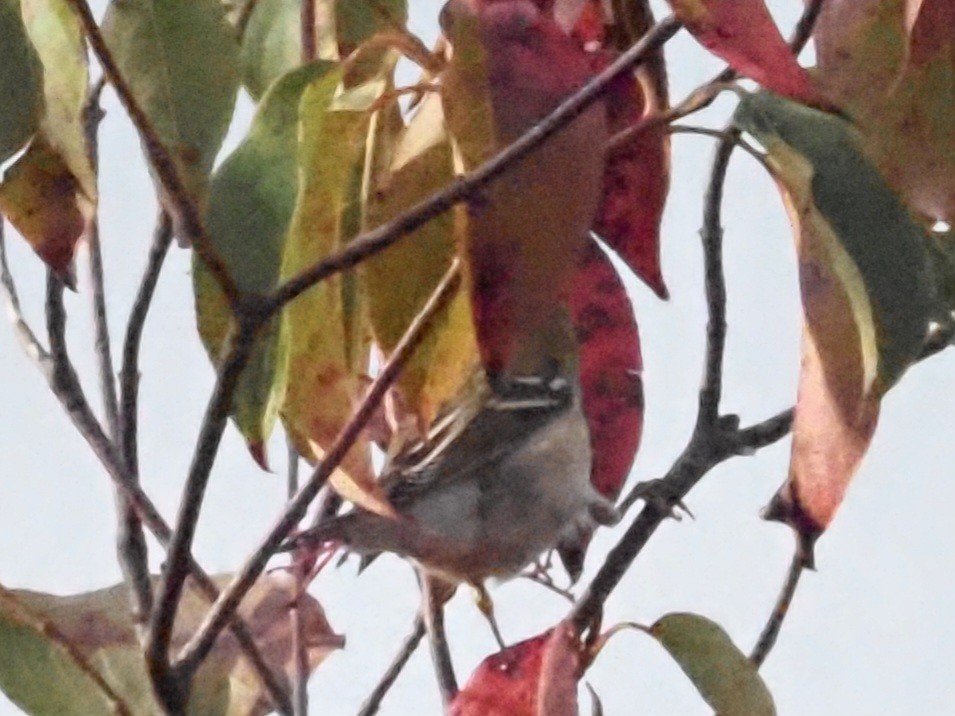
<point>767,639</point>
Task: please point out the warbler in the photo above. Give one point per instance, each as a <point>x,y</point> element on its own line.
<point>501,477</point>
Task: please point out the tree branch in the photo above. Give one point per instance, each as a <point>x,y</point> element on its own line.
<point>388,679</point>
<point>202,641</point>
<point>31,345</point>
<point>767,639</point>
<point>176,568</point>
<point>296,623</point>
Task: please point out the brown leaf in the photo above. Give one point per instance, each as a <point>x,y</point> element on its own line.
<point>43,200</point>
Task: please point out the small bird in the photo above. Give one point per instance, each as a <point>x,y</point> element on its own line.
<point>501,477</point>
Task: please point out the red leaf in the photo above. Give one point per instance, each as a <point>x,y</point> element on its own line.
<point>610,368</point>
<point>636,182</point>
<point>743,33</point>
<point>536,677</point>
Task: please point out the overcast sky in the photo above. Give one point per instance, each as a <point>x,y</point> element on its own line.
<point>871,632</point>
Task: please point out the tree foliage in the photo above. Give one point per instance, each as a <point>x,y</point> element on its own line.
<point>368,248</point>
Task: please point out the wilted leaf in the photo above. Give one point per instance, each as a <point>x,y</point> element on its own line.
<point>250,207</point>
<point>80,654</point>
<point>867,296</point>
<point>323,376</point>
<point>725,678</point>
<point>522,232</point>
<point>743,33</point>
<point>272,44</point>
<point>181,60</point>
<point>536,677</point>
<point>42,198</point>
<point>399,280</point>
<point>891,65</point>
<point>21,77</point>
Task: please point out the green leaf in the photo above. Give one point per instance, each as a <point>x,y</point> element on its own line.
<point>21,77</point>
<point>181,60</point>
<point>323,352</point>
<point>79,654</point>
<point>272,44</point>
<point>725,678</point>
<point>875,229</point>
<point>250,207</point>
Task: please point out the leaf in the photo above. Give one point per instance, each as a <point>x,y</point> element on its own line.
<point>21,77</point>
<point>80,655</point>
<point>636,180</point>
<point>50,193</point>
<point>725,678</point>
<point>271,44</point>
<point>536,677</point>
<point>251,202</point>
<point>56,33</point>
<point>181,60</point>
<point>610,368</point>
<point>399,280</point>
<point>867,294</point>
<point>323,361</point>
<point>894,73</point>
<point>520,235</point>
<point>42,198</point>
<point>743,33</point>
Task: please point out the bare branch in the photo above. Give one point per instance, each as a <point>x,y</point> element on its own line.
<point>388,679</point>
<point>767,639</point>
<point>202,641</point>
<point>28,341</point>
<point>308,31</point>
<point>297,624</point>
<point>129,371</point>
<point>190,505</point>
<point>160,158</point>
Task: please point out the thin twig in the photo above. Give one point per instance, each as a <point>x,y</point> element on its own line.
<point>767,639</point>
<point>388,679</point>
<point>129,371</point>
<point>202,641</point>
<point>28,341</point>
<point>297,624</point>
<point>371,242</point>
<point>131,549</point>
<point>190,505</point>
<point>434,594</point>
<point>181,202</point>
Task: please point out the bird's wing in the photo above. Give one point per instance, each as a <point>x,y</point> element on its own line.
<point>475,435</point>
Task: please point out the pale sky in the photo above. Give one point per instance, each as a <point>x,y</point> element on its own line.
<point>870,632</point>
